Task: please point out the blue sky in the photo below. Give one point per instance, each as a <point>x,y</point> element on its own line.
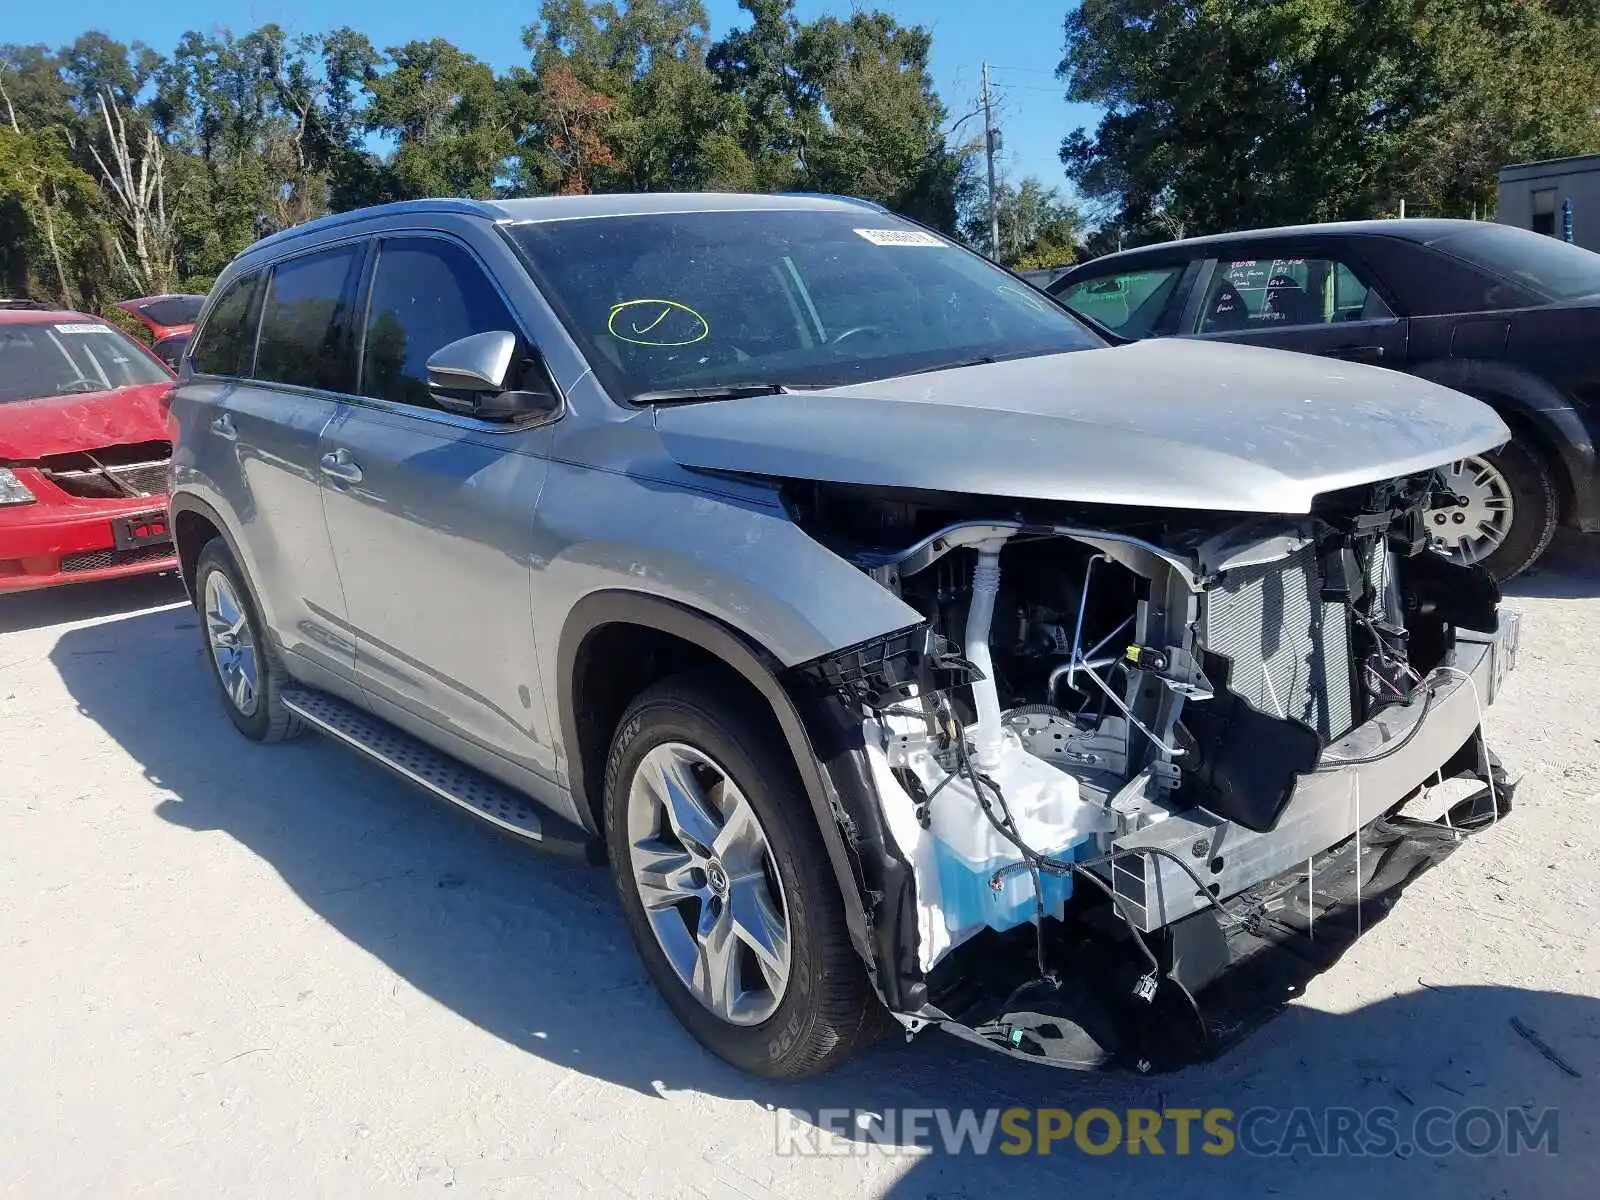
<point>1022,38</point>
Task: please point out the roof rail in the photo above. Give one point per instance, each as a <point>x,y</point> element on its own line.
<point>442,205</point>
<point>856,200</point>
<point>21,302</point>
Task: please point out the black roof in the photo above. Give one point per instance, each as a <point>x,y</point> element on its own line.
<point>1419,229</point>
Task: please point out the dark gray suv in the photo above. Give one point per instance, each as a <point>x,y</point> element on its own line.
<point>905,650</point>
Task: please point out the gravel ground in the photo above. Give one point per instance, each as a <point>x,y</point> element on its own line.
<point>234,970</point>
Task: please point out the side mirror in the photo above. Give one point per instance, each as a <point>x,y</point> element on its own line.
<point>476,363</point>
<point>469,376</point>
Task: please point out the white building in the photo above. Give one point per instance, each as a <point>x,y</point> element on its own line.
<point>1536,196</point>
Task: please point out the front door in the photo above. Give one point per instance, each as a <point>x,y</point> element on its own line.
<point>431,518</point>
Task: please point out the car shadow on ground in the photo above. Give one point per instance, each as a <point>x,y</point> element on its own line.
<point>1568,570</point>
<point>85,601</point>
<point>534,951</point>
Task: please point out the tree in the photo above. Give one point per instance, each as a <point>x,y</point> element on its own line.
<point>652,102</point>
<point>136,178</point>
<point>1233,113</point>
<point>448,120</point>
<point>842,105</point>
<point>125,170</point>
<point>1038,228</point>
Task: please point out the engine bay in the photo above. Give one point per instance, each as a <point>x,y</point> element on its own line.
<point>1079,679</point>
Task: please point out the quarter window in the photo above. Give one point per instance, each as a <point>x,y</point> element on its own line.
<point>305,326</point>
<point>1275,293</point>
<point>426,294</point>
<point>1129,303</point>
<point>228,342</point>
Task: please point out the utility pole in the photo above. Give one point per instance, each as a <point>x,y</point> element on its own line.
<point>988,150</point>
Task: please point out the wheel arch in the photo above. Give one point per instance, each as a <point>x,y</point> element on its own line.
<point>194,523</point>
<point>1538,413</point>
<point>587,713</point>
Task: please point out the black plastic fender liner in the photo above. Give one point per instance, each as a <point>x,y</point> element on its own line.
<point>891,889</point>
<point>851,859</point>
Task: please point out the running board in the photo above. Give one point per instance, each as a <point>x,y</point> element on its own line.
<point>443,776</point>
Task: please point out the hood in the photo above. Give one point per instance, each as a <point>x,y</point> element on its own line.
<point>1164,423</point>
<point>32,429</point>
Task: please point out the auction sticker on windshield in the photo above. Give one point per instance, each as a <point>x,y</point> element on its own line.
<point>899,237</point>
<point>83,327</point>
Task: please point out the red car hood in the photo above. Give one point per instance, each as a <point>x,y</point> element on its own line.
<point>31,429</point>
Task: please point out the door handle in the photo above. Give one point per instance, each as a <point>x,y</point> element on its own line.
<point>223,427</point>
<point>1357,353</point>
<point>338,465</point>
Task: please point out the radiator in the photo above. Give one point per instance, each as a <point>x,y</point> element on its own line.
<point>1290,649</point>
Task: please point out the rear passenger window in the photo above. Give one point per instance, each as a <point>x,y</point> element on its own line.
<point>228,341</point>
<point>1272,293</point>
<point>426,294</point>
<point>1129,303</point>
<point>305,324</point>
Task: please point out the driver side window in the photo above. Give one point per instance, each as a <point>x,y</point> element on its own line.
<point>426,293</point>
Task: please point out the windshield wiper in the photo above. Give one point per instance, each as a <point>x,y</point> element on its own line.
<point>709,393</point>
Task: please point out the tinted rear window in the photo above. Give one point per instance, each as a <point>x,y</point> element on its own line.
<point>173,310</point>
<point>1552,268</point>
<point>305,324</point>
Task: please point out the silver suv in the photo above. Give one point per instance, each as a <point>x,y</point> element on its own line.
<point>907,650</point>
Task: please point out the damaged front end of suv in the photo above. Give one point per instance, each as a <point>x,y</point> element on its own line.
<point>1138,774</point>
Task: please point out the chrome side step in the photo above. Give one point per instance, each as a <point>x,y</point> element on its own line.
<point>442,775</point>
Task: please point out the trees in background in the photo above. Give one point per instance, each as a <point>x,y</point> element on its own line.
<point>1038,226</point>
<point>124,170</point>
<point>1224,114</point>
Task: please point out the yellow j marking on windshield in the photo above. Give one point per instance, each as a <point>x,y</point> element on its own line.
<point>653,322</point>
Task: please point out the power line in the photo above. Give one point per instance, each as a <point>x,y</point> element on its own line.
<point>1026,70</point>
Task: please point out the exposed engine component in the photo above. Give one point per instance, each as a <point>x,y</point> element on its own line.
<point>1078,685</point>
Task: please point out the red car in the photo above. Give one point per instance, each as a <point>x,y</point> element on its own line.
<point>170,320</point>
<point>83,452</point>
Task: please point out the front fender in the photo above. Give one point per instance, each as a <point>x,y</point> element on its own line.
<point>840,798</point>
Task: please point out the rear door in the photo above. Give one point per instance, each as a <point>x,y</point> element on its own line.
<point>269,371</point>
<point>431,517</point>
<point>1316,299</point>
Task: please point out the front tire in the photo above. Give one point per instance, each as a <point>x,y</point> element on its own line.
<point>726,885</point>
<point>1510,513</point>
<point>244,663</point>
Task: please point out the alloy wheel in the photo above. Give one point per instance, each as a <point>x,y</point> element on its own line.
<point>705,874</point>
<point>233,643</point>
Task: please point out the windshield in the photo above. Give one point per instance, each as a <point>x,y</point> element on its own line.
<point>802,299</point>
<point>1555,269</point>
<point>59,358</point>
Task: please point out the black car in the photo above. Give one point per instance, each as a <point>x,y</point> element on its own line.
<point>1506,315</point>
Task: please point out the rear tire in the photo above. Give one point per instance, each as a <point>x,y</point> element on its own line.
<point>728,757</point>
<point>244,663</point>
